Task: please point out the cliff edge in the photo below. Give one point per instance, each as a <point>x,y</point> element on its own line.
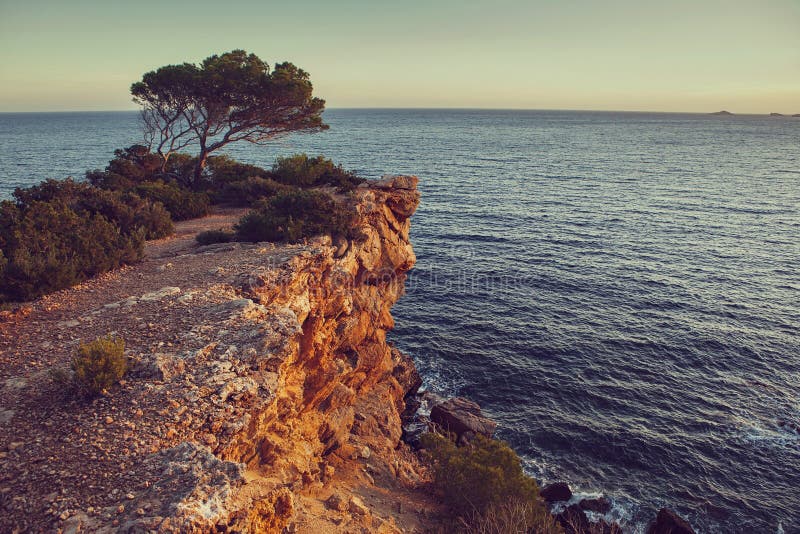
<point>263,395</point>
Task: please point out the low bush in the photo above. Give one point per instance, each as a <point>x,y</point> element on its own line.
<point>136,164</point>
<point>222,170</point>
<point>301,170</point>
<point>478,479</point>
<point>181,203</point>
<point>293,215</point>
<point>248,192</point>
<point>60,233</point>
<point>210,237</point>
<point>99,364</point>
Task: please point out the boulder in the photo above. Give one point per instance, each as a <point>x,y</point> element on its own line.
<point>600,505</point>
<point>556,492</point>
<point>668,522</point>
<point>461,415</point>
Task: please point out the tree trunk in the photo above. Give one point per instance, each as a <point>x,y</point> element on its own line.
<point>202,159</point>
<point>164,158</point>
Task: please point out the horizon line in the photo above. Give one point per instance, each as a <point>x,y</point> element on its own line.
<point>435,108</point>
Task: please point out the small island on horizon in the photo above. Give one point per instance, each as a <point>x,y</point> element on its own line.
<point>723,112</point>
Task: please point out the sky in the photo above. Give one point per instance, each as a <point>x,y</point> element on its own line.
<point>638,55</point>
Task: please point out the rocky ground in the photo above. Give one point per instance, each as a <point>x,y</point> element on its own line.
<point>262,396</point>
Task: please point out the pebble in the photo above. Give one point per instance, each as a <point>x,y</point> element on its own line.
<point>109,419</point>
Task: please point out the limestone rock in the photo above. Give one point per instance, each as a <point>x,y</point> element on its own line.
<point>357,506</point>
<point>337,502</point>
<point>194,491</point>
<point>461,415</point>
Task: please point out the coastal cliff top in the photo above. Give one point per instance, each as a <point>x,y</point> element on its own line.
<point>195,387</point>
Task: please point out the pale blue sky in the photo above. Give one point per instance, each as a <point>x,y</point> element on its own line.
<point>702,55</point>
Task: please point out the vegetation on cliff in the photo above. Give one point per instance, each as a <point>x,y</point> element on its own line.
<point>483,484</point>
<point>98,365</point>
<point>60,233</point>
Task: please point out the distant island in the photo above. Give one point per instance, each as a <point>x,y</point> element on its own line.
<point>724,112</point>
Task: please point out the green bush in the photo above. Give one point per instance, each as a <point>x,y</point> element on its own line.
<point>99,364</point>
<point>248,192</point>
<point>293,215</point>
<point>301,170</point>
<point>136,164</point>
<point>60,233</point>
<point>209,237</point>
<point>181,203</point>
<point>223,169</point>
<point>481,477</point>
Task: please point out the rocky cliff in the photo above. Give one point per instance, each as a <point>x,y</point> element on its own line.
<point>264,395</point>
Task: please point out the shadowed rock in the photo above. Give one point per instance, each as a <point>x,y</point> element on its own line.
<point>668,522</point>
<point>460,415</point>
<point>556,492</point>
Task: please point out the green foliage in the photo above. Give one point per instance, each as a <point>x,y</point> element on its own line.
<point>60,233</point>
<point>293,215</point>
<point>136,164</point>
<point>224,169</point>
<point>209,237</point>
<point>181,203</point>
<point>303,171</point>
<point>247,192</point>
<point>480,476</point>
<point>99,364</point>
<point>227,98</point>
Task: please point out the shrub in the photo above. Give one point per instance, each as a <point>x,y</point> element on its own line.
<point>181,203</point>
<point>293,215</point>
<point>136,164</point>
<point>223,169</point>
<point>60,233</point>
<point>99,364</point>
<point>303,171</point>
<point>248,192</point>
<point>522,517</point>
<point>476,480</point>
<point>209,237</point>
<point>53,247</point>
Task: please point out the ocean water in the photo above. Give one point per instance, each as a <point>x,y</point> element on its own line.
<point>620,291</point>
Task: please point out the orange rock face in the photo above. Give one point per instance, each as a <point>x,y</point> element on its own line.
<point>262,383</point>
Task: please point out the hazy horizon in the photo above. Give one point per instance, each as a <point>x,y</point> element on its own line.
<point>742,56</point>
<point>443,108</point>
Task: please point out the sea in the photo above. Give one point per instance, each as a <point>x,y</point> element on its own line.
<point>619,291</point>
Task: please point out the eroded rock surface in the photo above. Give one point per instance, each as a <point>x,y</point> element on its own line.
<point>262,383</point>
